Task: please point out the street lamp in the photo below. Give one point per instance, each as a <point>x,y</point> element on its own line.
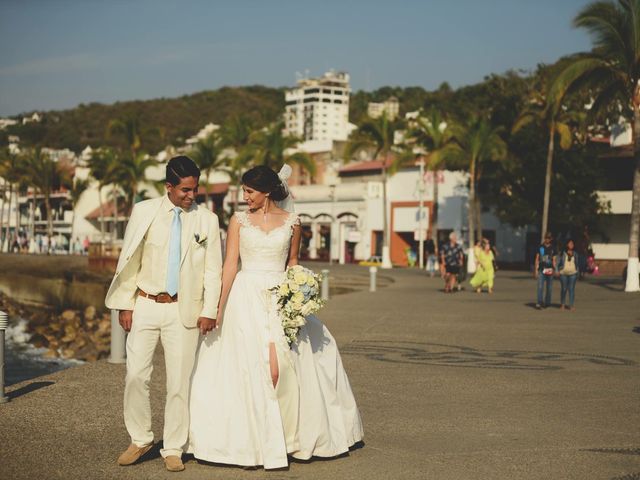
<point>421,189</point>
<point>332,194</point>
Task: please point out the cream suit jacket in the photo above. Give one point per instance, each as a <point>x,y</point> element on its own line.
<point>200,266</point>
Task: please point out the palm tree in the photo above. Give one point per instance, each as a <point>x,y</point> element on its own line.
<point>78,187</point>
<point>612,72</point>
<point>236,133</point>
<point>546,109</point>
<point>431,133</point>
<point>476,141</point>
<point>101,165</point>
<point>208,155</point>
<point>377,135</point>
<point>128,129</point>
<point>128,174</point>
<point>271,148</point>
<point>7,169</point>
<point>45,176</point>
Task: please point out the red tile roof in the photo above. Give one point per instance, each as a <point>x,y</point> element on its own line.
<point>368,166</point>
<point>108,211</point>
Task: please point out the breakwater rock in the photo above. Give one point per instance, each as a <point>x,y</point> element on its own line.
<point>71,334</point>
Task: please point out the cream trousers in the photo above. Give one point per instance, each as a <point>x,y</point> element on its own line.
<point>153,321</point>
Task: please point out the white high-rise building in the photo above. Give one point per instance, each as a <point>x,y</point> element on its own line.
<point>318,108</point>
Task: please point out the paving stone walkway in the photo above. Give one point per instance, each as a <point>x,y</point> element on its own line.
<point>450,386</point>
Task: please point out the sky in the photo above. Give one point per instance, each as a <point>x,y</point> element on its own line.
<point>56,54</point>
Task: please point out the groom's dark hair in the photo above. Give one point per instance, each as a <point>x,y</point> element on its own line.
<point>181,167</point>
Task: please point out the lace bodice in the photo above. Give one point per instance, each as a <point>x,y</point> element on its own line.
<point>261,250</point>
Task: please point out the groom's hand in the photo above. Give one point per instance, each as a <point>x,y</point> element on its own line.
<point>125,317</point>
<point>206,324</point>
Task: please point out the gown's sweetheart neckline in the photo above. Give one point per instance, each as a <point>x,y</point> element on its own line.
<point>248,223</point>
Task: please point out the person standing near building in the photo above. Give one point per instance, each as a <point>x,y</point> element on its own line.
<point>430,251</point>
<point>568,269</point>
<point>451,260</point>
<point>544,270</point>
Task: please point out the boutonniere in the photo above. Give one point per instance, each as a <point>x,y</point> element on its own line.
<point>200,241</point>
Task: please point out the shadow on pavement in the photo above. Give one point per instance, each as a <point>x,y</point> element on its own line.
<point>32,387</point>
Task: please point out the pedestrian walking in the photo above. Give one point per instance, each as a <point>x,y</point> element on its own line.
<point>568,270</point>
<point>451,260</point>
<point>544,270</point>
<point>485,273</point>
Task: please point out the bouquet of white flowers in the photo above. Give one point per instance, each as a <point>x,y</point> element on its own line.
<point>297,296</point>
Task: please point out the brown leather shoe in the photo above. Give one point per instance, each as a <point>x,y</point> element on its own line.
<point>133,453</point>
<point>173,463</point>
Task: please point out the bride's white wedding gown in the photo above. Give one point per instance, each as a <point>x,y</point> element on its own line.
<point>237,416</point>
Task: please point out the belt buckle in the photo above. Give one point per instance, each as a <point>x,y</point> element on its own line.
<point>163,298</point>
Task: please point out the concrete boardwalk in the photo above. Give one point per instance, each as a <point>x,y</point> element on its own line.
<point>460,386</point>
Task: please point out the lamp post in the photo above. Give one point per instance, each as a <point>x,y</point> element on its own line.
<point>332,194</point>
<point>421,189</point>
<point>4,323</point>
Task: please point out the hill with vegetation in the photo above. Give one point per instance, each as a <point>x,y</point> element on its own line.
<point>163,121</point>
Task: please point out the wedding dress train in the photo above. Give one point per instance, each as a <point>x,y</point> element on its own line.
<point>237,416</point>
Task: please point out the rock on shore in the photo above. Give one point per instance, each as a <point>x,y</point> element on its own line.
<point>71,334</point>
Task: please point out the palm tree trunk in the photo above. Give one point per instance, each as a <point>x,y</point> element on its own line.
<point>434,227</point>
<point>472,200</point>
<point>2,205</point>
<point>73,214</point>
<point>633,282</point>
<point>547,185</point>
<point>7,237</point>
<point>47,204</point>
<point>102,229</point>
<point>32,216</point>
<point>115,218</point>
<point>18,223</point>
<point>478,214</point>
<point>235,197</point>
<point>206,190</point>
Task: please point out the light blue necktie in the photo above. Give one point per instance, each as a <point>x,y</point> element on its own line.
<point>173,269</point>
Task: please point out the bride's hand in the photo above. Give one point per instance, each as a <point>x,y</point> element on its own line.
<point>206,324</point>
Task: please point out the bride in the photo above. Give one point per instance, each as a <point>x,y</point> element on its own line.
<point>255,400</point>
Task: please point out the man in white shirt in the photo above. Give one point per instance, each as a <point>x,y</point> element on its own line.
<point>167,287</point>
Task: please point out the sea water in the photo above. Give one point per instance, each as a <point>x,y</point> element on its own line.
<point>23,361</point>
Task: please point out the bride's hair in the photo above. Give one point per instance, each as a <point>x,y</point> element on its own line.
<point>265,180</point>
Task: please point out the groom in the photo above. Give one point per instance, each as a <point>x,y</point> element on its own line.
<point>166,286</point>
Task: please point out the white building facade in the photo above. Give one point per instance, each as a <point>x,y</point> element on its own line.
<point>344,222</point>
<point>318,108</point>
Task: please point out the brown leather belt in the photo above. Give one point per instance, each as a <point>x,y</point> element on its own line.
<point>160,298</point>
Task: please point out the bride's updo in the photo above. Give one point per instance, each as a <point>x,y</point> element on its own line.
<point>265,180</point>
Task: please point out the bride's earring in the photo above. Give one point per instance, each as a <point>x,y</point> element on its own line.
<point>264,209</point>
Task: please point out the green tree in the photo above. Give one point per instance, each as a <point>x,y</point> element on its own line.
<point>611,71</point>
<point>102,163</point>
<point>236,133</point>
<point>129,130</point>
<point>128,174</point>
<point>45,176</point>
<point>432,134</point>
<point>208,153</point>
<point>475,142</point>
<point>271,148</point>
<point>10,171</point>
<point>377,136</point>
<point>546,107</point>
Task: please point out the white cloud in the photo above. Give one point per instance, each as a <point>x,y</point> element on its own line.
<point>45,66</point>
